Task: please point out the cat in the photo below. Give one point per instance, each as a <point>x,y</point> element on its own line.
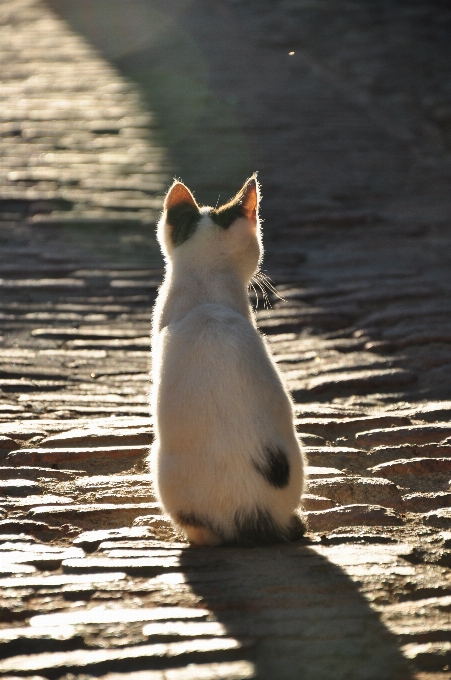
<point>226,463</point>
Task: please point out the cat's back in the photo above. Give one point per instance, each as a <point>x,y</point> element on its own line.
<point>212,337</point>
<point>212,322</point>
<point>215,356</point>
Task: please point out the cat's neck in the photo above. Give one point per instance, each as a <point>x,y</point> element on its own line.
<point>186,287</point>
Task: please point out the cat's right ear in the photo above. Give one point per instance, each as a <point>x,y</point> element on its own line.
<point>180,218</point>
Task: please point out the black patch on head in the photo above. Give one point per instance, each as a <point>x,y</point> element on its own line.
<point>191,519</point>
<point>183,218</point>
<point>276,468</point>
<point>226,215</point>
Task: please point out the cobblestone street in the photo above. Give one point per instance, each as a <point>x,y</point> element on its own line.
<point>344,108</point>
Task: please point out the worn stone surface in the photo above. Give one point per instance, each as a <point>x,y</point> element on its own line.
<point>7,443</point>
<point>414,466</point>
<point>347,515</point>
<point>415,434</point>
<point>351,490</point>
<point>19,487</point>
<point>235,670</point>
<point>93,514</point>
<point>45,456</point>
<point>100,437</point>
<point>344,108</point>
<point>438,518</point>
<point>337,427</point>
<point>313,502</point>
<point>422,502</point>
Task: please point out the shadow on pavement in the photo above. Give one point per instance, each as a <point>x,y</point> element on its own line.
<point>301,615</point>
<point>338,107</point>
<point>150,43</point>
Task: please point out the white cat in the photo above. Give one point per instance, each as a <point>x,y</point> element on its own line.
<point>226,462</point>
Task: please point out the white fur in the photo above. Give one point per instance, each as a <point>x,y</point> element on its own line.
<point>218,398</point>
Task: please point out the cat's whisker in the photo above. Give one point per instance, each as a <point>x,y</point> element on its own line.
<point>256,295</point>
<point>261,285</point>
<point>269,284</point>
<point>266,300</point>
<point>264,277</point>
<point>265,284</point>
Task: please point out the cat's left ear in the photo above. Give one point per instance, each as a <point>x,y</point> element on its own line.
<point>180,218</point>
<point>179,194</point>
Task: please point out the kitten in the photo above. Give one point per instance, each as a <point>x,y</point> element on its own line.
<point>226,462</point>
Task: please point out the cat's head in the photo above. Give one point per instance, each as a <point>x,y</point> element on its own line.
<point>225,237</point>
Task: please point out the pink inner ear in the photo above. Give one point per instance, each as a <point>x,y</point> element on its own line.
<point>177,194</point>
<point>250,200</point>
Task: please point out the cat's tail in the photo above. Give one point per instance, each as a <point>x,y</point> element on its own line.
<point>248,530</point>
<point>297,527</point>
<point>259,528</point>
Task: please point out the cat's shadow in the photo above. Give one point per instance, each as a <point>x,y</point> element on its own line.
<point>299,616</point>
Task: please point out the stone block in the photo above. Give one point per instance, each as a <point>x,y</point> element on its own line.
<point>33,472</point>
<point>17,538</point>
<point>348,515</point>
<point>148,544</point>
<point>412,434</point>
<point>19,487</point>
<point>352,490</point>
<point>70,455</point>
<point>424,502</point>
<point>413,466</point>
<point>312,502</point>
<point>107,515</point>
<point>332,428</point>
<point>29,677</point>
<point>431,656</point>
<point>90,540</point>
<point>57,581</point>
<point>361,380</point>
<point>115,488</point>
<point>10,568</point>
<point>6,443</point>
<point>118,615</point>
<point>29,526</point>
<point>317,471</point>
<point>385,454</point>
<point>100,437</point>
<point>338,456</point>
<point>160,526</point>
<point>46,499</point>
<point>39,556</point>
<point>308,439</point>
<point>357,536</point>
<point>123,658</point>
<point>235,670</point>
<point>440,518</point>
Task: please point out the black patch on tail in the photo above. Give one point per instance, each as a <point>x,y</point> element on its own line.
<point>296,529</point>
<point>259,528</point>
<point>183,219</point>
<point>251,529</point>
<point>276,468</point>
<point>191,519</point>
<point>224,216</point>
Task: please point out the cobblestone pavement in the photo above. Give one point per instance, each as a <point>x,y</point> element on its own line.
<point>101,103</point>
